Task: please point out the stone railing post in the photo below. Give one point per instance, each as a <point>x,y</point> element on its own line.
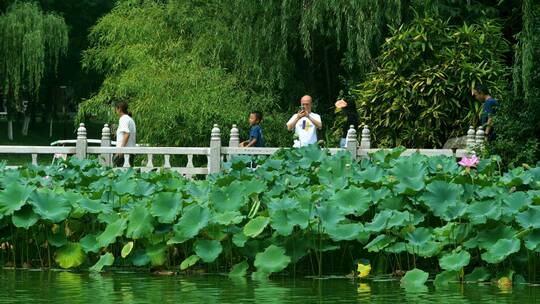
<point>106,159</point>
<point>365,141</point>
<point>234,140</point>
<point>480,138</point>
<point>351,142</point>
<point>82,143</point>
<point>214,158</point>
<point>471,138</point>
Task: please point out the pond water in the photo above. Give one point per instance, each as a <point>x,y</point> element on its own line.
<point>27,286</point>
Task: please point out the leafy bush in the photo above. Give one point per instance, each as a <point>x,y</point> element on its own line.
<point>420,95</point>
<point>300,207</point>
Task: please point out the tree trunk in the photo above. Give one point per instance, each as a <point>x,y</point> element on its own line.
<point>10,129</point>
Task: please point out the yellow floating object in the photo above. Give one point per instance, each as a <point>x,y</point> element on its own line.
<point>504,283</point>
<point>363,270</point>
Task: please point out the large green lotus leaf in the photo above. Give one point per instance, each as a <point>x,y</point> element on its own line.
<point>112,231</point>
<point>516,177</point>
<point>165,206</point>
<point>13,197</point>
<point>444,278</point>
<point>379,221</point>
<point>124,186</point>
<point>105,260</point>
<point>419,236</point>
<point>208,250</point>
<point>345,232</point>
<point>108,218</point>
<point>272,259</point>
<point>57,239</point>
<point>229,198</point>
<point>398,247</point>
<point>239,239</point>
<point>280,222</point>
<point>189,261</point>
<point>144,189</point>
<point>140,258</point>
<point>379,243</point>
<point>500,250</point>
<point>480,212</point>
<point>334,172</point>
<point>216,232</point>
<point>157,254</point>
<point>379,194</point>
<point>440,195</point>
<point>426,250</point>
<point>255,226</point>
<point>89,243</point>
<point>399,219</point>
<point>487,238</point>
<point>479,274</point>
<point>532,240</point>
<point>455,261</point>
<point>353,201</point>
<point>297,248</point>
<point>94,206</point>
<point>516,202</point>
<point>239,270</point>
<point>409,174</point>
<point>140,222</point>
<point>414,277</point>
<point>192,221</point>
<point>277,204</point>
<point>49,205</point>
<point>227,218</point>
<point>299,217</point>
<point>24,217</point>
<point>487,192</point>
<point>371,174</point>
<point>70,255</point>
<point>391,203</point>
<point>442,165</point>
<point>453,232</point>
<point>529,218</point>
<point>329,214</point>
<point>254,186</point>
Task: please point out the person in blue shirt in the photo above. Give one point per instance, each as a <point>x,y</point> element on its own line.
<point>489,109</point>
<point>256,138</point>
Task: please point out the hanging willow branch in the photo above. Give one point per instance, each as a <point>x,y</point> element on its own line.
<point>31,41</point>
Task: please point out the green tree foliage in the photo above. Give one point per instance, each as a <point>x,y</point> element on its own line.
<point>146,53</point>
<point>420,94</point>
<point>517,124</point>
<point>31,42</point>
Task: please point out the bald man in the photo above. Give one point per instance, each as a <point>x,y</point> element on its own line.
<point>305,123</point>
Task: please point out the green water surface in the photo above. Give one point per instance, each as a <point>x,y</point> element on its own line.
<point>32,286</point>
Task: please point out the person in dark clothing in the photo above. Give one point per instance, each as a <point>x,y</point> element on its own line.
<point>489,109</point>
<point>256,138</point>
<point>349,109</point>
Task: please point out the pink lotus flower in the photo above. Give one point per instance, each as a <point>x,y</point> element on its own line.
<point>469,162</point>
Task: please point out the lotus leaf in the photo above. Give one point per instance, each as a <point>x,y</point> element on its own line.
<point>165,206</point>
<point>230,198</point>
<point>140,258</point>
<point>372,174</point>
<point>299,217</point>
<point>532,240</point>
<point>105,260</point>
<point>112,231</point>
<point>192,221</point>
<point>13,197</point>
<point>516,202</point>
<point>144,189</point>
<point>126,250</point>
<point>500,250</point>
<point>479,212</point>
<point>208,250</point>
<point>419,236</point>
<point>410,175</point>
<point>239,239</point>
<point>353,201</point>
<point>426,250</point>
<point>445,277</point>
<point>24,217</point>
<point>94,206</point>
<point>124,186</point>
<point>255,226</point>
<point>49,205</point>
<point>398,247</point>
<point>479,274</point>
<point>379,221</point>
<point>157,254</point>
<point>529,218</point>
<point>89,243</point>
<point>239,270</point>
<point>140,222</point>
<point>379,243</point>
<point>440,195</point>
<point>272,259</point>
<point>399,219</point>
<point>345,232</point>
<point>277,204</point>
<point>414,277</point>
<point>189,261</point>
<point>455,261</point>
<point>281,223</point>
<point>227,218</point>
<point>70,255</point>
<point>57,239</point>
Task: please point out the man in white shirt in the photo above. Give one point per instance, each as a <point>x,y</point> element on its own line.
<point>126,133</point>
<point>305,123</point>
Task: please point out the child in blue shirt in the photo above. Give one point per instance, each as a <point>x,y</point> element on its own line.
<point>256,138</point>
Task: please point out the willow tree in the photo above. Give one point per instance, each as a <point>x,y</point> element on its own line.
<point>32,42</point>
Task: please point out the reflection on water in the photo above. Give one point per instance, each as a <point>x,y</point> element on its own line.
<point>34,287</point>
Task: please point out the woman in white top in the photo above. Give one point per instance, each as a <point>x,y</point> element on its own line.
<point>305,123</point>
<point>126,133</point>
